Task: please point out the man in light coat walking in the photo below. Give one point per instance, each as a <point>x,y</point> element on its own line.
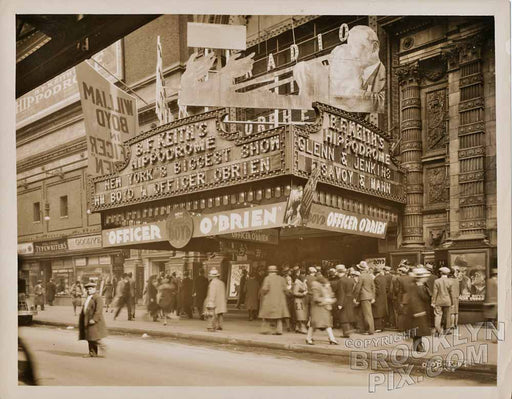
<point>215,303</point>
<point>274,307</point>
<point>442,300</point>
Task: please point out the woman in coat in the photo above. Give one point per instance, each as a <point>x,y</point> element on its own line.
<point>300,291</point>
<point>166,298</point>
<point>418,314</point>
<point>252,288</point>
<point>321,306</point>
<point>108,293</point>
<point>151,293</point>
<point>76,293</point>
<point>91,324</point>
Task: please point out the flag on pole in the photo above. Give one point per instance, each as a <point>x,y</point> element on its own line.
<point>163,112</point>
<point>309,191</point>
<point>110,117</point>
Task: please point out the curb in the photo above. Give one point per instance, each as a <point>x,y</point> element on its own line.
<point>341,354</point>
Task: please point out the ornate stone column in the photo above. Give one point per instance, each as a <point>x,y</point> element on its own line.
<point>471,154</point>
<point>411,153</point>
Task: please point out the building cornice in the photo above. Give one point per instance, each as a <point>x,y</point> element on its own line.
<point>75,146</point>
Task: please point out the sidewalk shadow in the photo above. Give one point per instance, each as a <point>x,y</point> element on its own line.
<point>61,353</point>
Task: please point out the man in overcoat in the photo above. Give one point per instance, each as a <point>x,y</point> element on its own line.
<point>344,303</point>
<point>51,290</point>
<point>123,296</point>
<point>418,315</point>
<point>187,291</point>
<point>364,295</point>
<point>380,307</point>
<point>442,300</point>
<point>273,302</point>
<point>215,303</point>
<point>200,290</point>
<point>91,324</point>
<point>400,288</point>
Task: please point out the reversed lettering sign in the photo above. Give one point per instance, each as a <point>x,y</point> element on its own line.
<point>240,220</point>
<point>139,234</point>
<point>110,117</point>
<point>332,219</point>
<point>88,242</point>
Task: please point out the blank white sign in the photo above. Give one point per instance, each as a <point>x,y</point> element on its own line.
<point>229,37</point>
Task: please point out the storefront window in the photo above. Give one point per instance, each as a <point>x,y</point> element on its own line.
<point>63,279</point>
<point>472,274</point>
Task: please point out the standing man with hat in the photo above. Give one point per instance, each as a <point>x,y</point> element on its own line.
<point>364,294</point>
<point>215,302</point>
<point>380,307</point>
<point>345,303</point>
<point>491,298</point>
<point>273,302</point>
<point>91,324</point>
<point>400,288</point>
<point>418,315</point>
<point>442,300</point>
<point>391,319</point>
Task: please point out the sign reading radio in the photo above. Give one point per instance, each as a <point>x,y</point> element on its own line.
<point>350,153</point>
<point>189,156</point>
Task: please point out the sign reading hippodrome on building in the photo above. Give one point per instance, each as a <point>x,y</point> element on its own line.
<point>199,153</point>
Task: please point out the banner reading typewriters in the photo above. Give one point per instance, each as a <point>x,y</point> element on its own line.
<point>110,117</point>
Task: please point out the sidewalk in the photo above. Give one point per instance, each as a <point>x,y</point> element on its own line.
<point>479,354</point>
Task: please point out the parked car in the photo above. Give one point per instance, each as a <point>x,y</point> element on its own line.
<point>26,309</point>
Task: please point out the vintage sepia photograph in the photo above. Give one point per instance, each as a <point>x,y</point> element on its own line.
<point>262,200</point>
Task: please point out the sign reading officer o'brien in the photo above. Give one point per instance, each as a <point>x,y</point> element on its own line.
<point>325,218</point>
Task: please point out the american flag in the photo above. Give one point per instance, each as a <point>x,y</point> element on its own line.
<point>162,109</point>
<point>309,191</point>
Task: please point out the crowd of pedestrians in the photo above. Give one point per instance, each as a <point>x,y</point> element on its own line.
<point>361,299</point>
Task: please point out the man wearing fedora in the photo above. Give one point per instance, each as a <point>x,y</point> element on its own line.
<point>380,307</point>
<point>274,307</point>
<point>345,304</point>
<point>400,287</point>
<point>91,324</point>
<point>215,303</point>
<point>442,301</point>
<point>364,295</point>
<point>418,315</point>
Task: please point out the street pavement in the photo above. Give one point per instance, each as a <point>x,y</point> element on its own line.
<point>136,361</point>
<point>239,331</point>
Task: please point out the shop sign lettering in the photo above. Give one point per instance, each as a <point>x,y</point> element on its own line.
<point>25,248</point>
<point>50,246</point>
<point>89,242</point>
<point>325,218</point>
<point>262,236</point>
